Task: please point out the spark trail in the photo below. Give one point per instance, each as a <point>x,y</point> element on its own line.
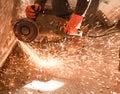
<point>44,61</point>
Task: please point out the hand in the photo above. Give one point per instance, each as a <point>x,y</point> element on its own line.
<point>72,24</point>
<point>30,12</point>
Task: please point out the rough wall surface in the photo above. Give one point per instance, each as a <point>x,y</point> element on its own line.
<point>7,39</point>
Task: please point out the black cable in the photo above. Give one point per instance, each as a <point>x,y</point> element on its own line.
<point>108,32</point>
<point>95,36</point>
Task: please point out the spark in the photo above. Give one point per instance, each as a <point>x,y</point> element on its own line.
<point>45,61</point>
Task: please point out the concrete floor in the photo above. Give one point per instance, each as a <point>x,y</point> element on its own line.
<point>90,70</point>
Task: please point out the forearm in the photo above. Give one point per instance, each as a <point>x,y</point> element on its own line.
<point>41,2</point>
<point>81,6</point>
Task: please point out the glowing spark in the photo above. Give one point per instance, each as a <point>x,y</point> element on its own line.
<point>40,60</point>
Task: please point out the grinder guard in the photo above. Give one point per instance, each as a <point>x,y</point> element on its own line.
<point>25,29</point>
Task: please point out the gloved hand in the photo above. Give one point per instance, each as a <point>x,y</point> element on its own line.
<point>30,12</point>
<point>72,24</point>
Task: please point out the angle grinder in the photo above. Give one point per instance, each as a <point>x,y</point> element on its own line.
<point>45,25</point>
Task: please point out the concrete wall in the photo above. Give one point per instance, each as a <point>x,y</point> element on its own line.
<point>7,38</point>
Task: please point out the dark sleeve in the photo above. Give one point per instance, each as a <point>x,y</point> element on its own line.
<point>41,2</point>
<point>81,6</point>
<point>90,16</point>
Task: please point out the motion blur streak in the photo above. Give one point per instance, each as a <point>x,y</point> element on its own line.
<point>43,61</point>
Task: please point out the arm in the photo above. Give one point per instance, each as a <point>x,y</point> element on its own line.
<point>41,2</point>
<point>81,6</point>
<point>86,7</point>
<point>88,11</point>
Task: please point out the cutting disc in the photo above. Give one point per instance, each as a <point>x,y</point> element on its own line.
<point>26,30</point>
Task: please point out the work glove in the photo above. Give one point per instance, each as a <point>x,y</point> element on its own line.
<point>73,23</point>
<point>31,10</point>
